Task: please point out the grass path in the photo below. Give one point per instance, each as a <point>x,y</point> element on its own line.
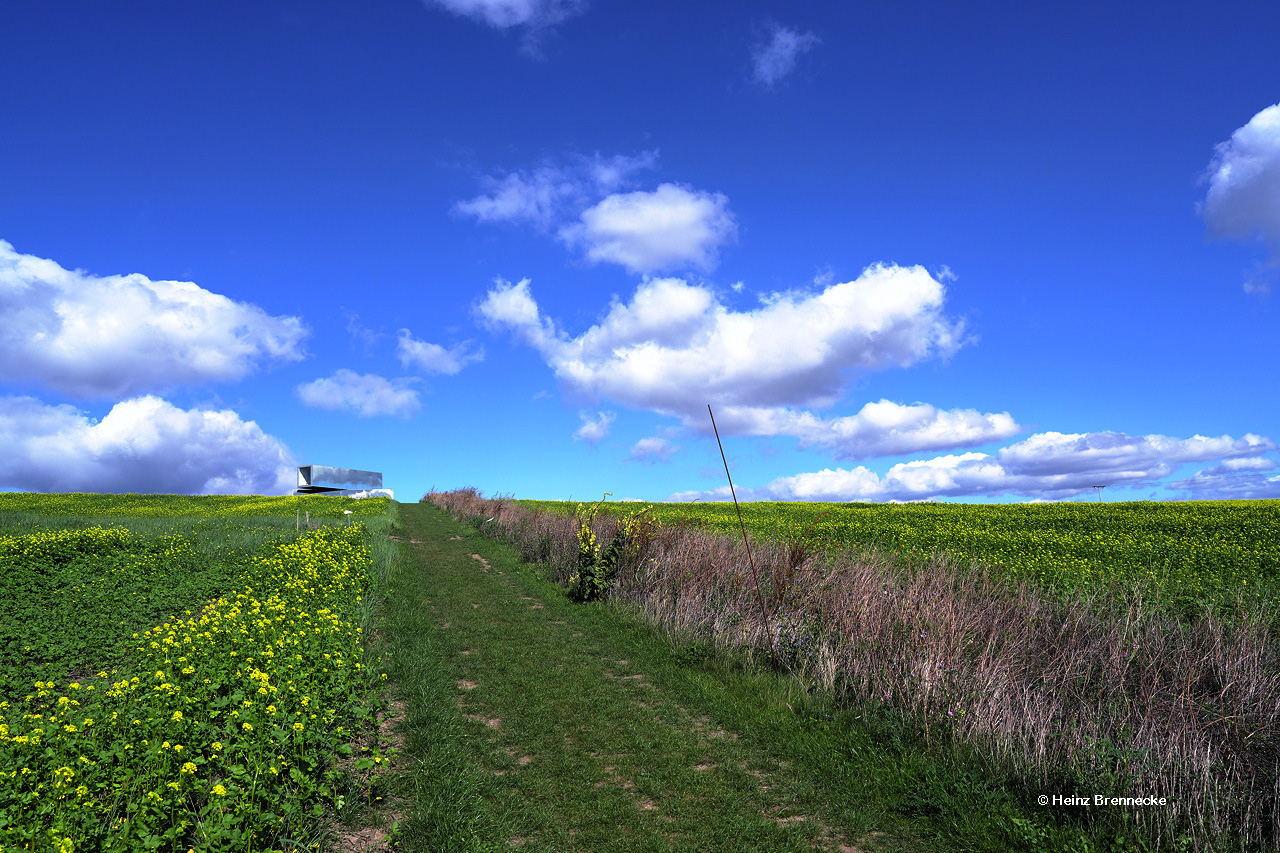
<point>537,724</point>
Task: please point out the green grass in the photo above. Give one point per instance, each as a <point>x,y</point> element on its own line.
<point>539,724</point>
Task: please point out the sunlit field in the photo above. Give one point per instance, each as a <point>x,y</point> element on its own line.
<point>1186,554</point>
<point>182,672</point>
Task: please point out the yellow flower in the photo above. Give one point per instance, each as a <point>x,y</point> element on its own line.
<point>188,768</point>
<point>219,791</point>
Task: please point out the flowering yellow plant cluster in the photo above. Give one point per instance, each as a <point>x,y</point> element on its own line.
<point>91,541</point>
<point>221,731</point>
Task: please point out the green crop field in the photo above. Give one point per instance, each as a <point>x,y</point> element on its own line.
<point>1186,553</point>
<point>177,671</point>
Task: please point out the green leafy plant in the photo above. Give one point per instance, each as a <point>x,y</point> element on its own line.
<point>588,582</point>
<point>597,569</point>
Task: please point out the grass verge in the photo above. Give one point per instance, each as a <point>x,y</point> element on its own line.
<point>539,724</point>
<point>1160,733</point>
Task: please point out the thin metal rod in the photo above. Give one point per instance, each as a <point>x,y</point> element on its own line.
<point>755,578</point>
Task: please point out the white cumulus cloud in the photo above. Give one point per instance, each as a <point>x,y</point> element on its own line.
<point>1232,479</point>
<point>594,427</point>
<point>776,58</point>
<point>673,227</point>
<point>1237,466</point>
<point>1244,181</point>
<point>1047,465</point>
<point>115,336</point>
<point>674,348</point>
<point>653,449</point>
<point>586,201</point>
<point>882,428</point>
<point>1243,201</point>
<point>144,445</point>
<point>363,394</point>
<point>433,358</point>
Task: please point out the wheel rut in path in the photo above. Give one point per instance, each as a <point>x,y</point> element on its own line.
<point>576,716</point>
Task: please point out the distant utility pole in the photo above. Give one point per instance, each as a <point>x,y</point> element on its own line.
<point>1099,489</point>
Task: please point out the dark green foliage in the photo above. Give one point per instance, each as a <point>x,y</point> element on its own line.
<point>597,570</point>
<point>71,600</point>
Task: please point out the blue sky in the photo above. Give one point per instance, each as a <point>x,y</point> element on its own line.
<point>906,251</point>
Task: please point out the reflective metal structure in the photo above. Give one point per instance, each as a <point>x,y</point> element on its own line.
<point>346,482</point>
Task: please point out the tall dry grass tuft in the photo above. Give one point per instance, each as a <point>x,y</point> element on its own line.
<point>1105,695</point>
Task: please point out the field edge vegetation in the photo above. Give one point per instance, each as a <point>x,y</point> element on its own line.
<point>1070,695</point>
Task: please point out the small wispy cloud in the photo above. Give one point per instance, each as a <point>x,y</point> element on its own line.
<point>775,59</point>
<point>365,395</point>
<point>594,427</point>
<point>534,197</point>
<point>533,17</point>
<point>1261,277</point>
<point>647,451</point>
<point>361,334</point>
<point>554,192</point>
<point>433,358</point>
